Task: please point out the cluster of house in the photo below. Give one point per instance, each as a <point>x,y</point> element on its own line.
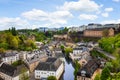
<point>48,62</point>
<point>96,30</point>
<point>81,52</point>
<point>43,63</point>
<point>89,66</point>
<point>90,69</point>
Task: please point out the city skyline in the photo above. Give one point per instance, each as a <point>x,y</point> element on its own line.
<point>53,13</point>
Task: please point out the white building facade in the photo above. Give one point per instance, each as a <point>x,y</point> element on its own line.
<point>10,59</point>
<point>43,74</point>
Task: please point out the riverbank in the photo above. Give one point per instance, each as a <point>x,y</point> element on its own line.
<point>69,70</point>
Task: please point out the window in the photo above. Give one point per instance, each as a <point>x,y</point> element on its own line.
<point>83,73</point>
<point>44,72</point>
<point>83,78</point>
<point>38,76</point>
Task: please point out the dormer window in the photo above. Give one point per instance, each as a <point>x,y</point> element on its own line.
<point>83,73</point>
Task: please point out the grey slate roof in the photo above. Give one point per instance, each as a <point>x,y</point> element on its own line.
<point>8,54</point>
<point>89,68</point>
<point>78,48</point>
<point>52,64</point>
<point>11,70</point>
<point>81,48</point>
<point>52,60</point>
<point>7,69</point>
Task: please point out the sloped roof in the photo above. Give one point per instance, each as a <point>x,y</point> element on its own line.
<point>8,54</point>
<point>52,60</point>
<point>89,68</point>
<point>51,64</point>
<point>7,69</point>
<point>11,70</point>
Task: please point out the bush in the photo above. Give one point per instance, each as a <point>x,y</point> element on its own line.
<point>97,77</point>
<point>4,45</point>
<point>51,78</point>
<point>105,74</point>
<point>2,50</point>
<point>17,63</point>
<point>77,67</point>
<point>28,49</point>
<point>97,54</point>
<point>68,50</point>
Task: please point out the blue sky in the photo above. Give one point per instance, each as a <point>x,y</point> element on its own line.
<point>57,13</point>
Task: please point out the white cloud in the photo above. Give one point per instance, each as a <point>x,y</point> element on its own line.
<point>17,22</point>
<point>60,17</point>
<point>105,14</point>
<point>51,18</point>
<point>116,0</point>
<point>61,14</point>
<point>35,14</point>
<point>87,17</point>
<point>108,9</point>
<point>81,5</point>
<point>110,21</point>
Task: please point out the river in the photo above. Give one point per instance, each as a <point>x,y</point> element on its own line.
<point>69,70</point>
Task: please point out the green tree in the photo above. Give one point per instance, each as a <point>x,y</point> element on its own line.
<point>97,77</point>
<point>4,45</point>
<point>14,43</point>
<point>76,40</point>
<point>62,47</point>
<point>3,37</point>
<point>9,37</point>
<point>116,76</point>
<point>24,75</point>
<point>107,44</point>
<point>30,43</point>
<point>51,78</point>
<point>14,31</point>
<point>17,63</point>
<point>2,50</point>
<point>105,74</point>
<point>40,36</point>
<point>105,33</point>
<point>65,30</point>
<point>116,61</point>
<point>77,67</point>
<point>68,50</point>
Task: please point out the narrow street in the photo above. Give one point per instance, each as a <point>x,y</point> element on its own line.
<point>107,54</point>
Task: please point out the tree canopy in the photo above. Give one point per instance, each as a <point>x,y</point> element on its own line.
<point>97,77</point>
<point>51,78</point>
<point>105,74</point>
<point>68,50</point>
<point>11,40</point>
<point>105,33</point>
<point>110,44</point>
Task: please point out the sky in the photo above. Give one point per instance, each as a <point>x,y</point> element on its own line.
<point>31,14</point>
